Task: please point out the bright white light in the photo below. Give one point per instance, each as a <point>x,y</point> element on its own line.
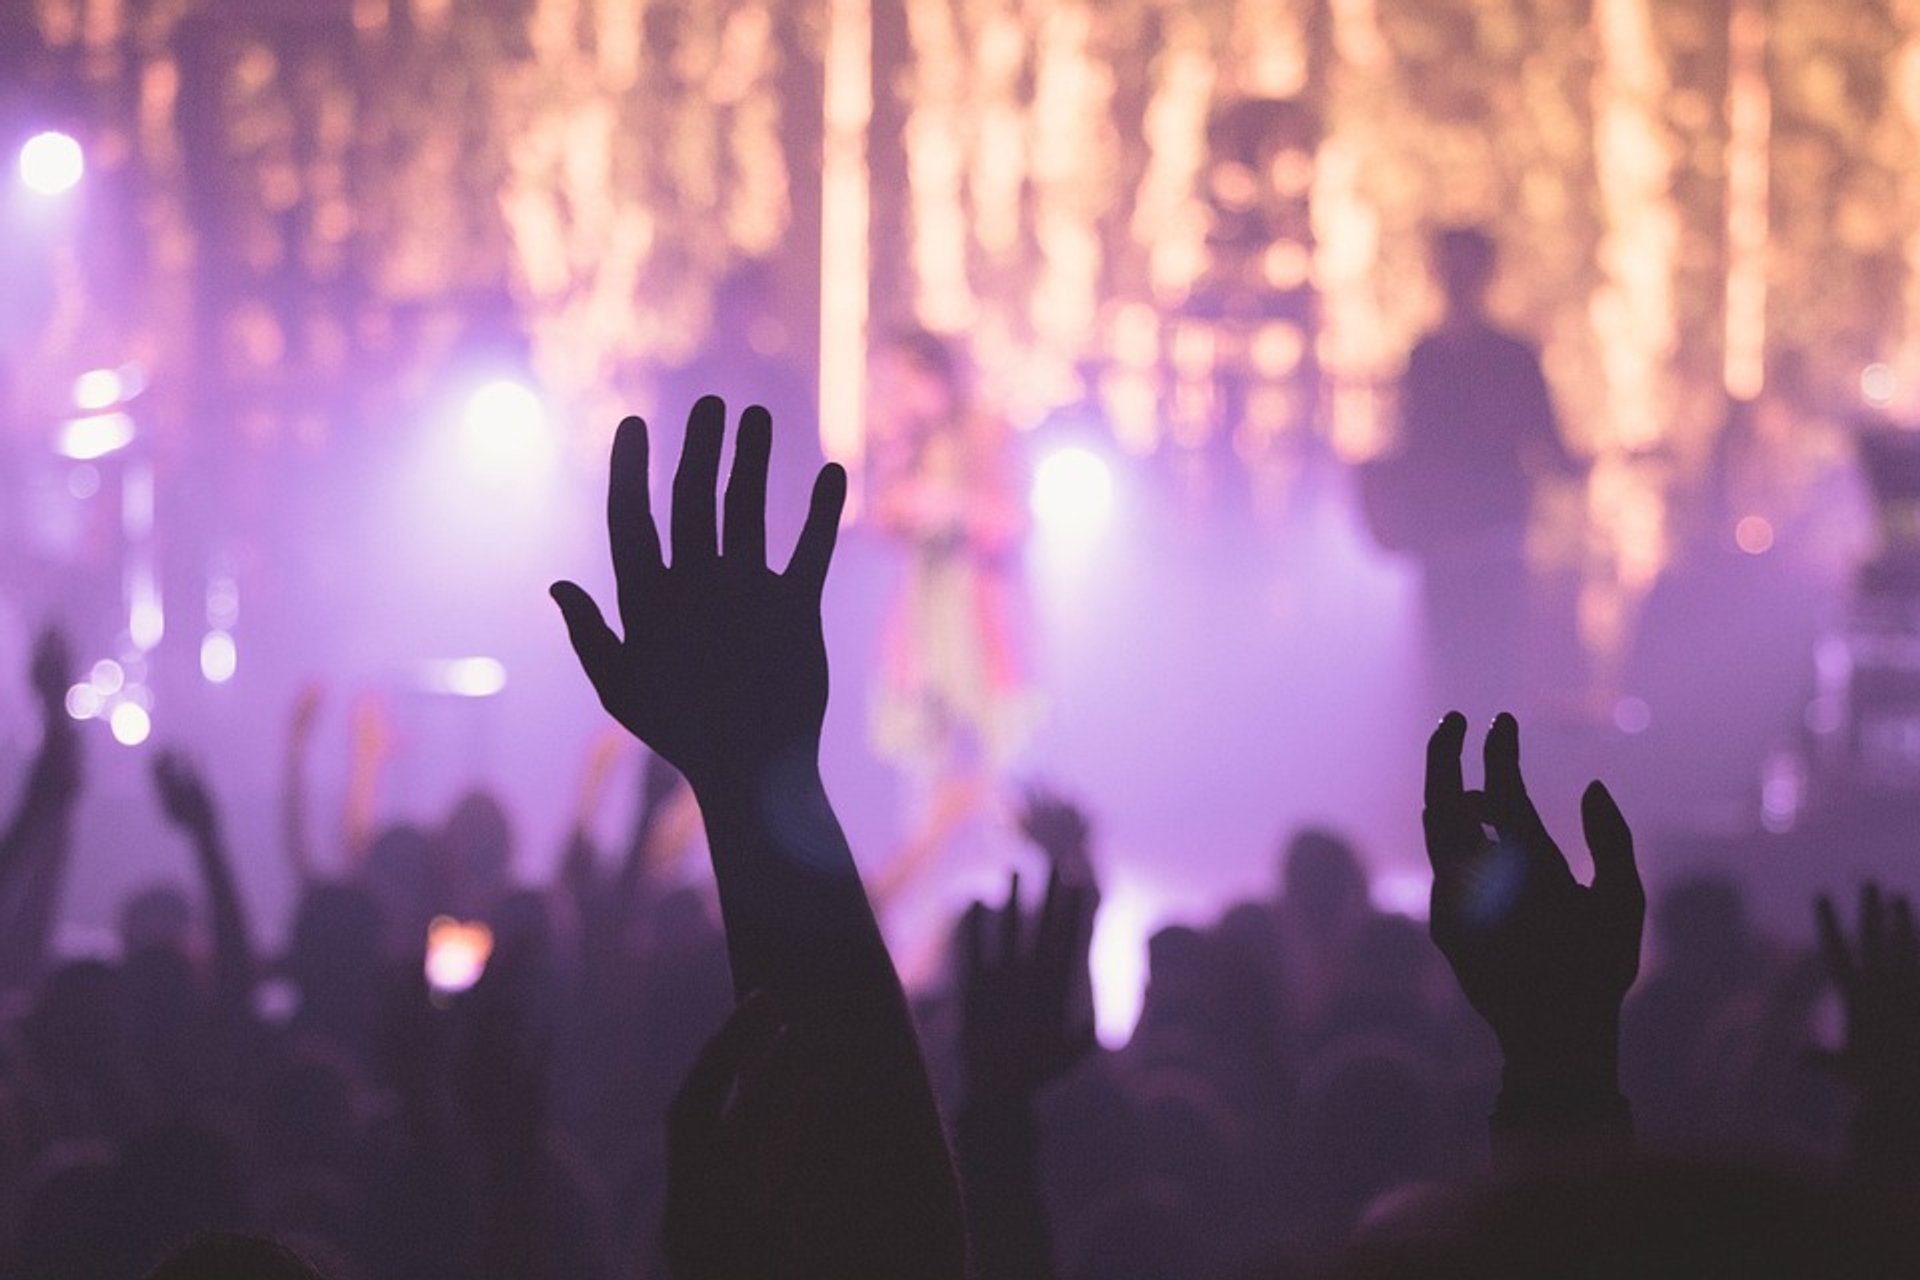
<point>219,657</point>
<point>1118,960</point>
<point>107,677</point>
<point>130,724</point>
<point>1072,490</point>
<point>95,436</point>
<point>503,429</point>
<point>146,620</point>
<point>51,163</point>
<point>83,702</point>
<point>457,953</point>
<point>97,389</point>
<point>1877,385</point>
<point>467,677</point>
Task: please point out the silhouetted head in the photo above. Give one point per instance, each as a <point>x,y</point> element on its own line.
<point>230,1256</point>
<point>1463,263</point>
<point>477,852</point>
<point>179,1179</point>
<point>159,915</point>
<point>399,872</point>
<point>73,1224</point>
<point>76,1024</point>
<point>1321,879</point>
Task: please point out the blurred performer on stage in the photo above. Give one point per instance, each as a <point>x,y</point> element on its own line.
<point>953,706</point>
<point>1478,433</point>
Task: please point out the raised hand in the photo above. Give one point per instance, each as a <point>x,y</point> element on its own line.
<point>1879,981</point>
<point>183,793</point>
<point>1058,827</point>
<point>722,668</point>
<point>51,669</point>
<point>1020,1025</point>
<point>1545,960</point>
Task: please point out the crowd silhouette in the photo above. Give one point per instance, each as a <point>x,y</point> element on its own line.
<point>634,1088</point>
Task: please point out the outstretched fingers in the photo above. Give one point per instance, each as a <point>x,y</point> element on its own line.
<point>745,534</point>
<point>696,541</point>
<point>1833,944</point>
<point>1448,819</point>
<point>814,552</point>
<point>1616,873</point>
<point>630,529</point>
<point>593,640</point>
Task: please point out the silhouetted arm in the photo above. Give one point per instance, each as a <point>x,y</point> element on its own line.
<point>1021,1028</point>
<point>1879,983</point>
<point>1545,960</point>
<point>294,799</point>
<point>722,670</point>
<point>190,808</point>
<point>34,846</point>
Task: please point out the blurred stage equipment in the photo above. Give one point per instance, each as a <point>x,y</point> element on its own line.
<point>1876,670</point>
<point>1242,378</point>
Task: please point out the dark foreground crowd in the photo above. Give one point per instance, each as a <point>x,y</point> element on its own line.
<point>636,1087</point>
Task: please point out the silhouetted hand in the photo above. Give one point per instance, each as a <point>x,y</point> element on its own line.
<point>1879,983</point>
<point>722,669</point>
<point>1020,1025</point>
<point>56,777</point>
<point>1545,960</point>
<point>183,794</point>
<point>1060,829</point>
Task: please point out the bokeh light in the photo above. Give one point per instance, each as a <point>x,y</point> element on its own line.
<point>1073,490</point>
<point>503,428</point>
<point>219,656</point>
<point>130,724</point>
<point>51,163</point>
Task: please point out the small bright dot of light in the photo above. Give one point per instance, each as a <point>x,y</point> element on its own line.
<point>1754,535</point>
<point>219,657</point>
<point>130,724</point>
<point>1072,489</point>
<point>1632,715</point>
<point>107,677</point>
<point>51,163</point>
<point>457,953</point>
<point>83,702</point>
<point>97,389</point>
<point>84,439</point>
<point>1877,385</point>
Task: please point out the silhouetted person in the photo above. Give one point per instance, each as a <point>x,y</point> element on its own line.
<point>1477,431</point>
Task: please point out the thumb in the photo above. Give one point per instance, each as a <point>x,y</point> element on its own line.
<point>593,640</point>
<point>1616,876</point>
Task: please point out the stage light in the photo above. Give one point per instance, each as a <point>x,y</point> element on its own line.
<point>130,724</point>
<point>1072,490</point>
<point>51,163</point>
<point>219,657</point>
<point>107,677</point>
<point>95,436</point>
<point>467,677</point>
<point>503,428</point>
